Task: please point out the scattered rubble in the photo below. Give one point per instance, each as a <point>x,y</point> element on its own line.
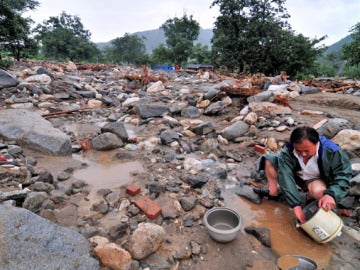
<point>193,132</point>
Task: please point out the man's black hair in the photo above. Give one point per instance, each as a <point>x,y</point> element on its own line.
<point>304,133</point>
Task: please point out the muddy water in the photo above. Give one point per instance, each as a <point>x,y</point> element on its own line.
<point>285,237</point>
<point>103,172</point>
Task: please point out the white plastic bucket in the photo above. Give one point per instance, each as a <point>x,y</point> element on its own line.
<point>322,226</point>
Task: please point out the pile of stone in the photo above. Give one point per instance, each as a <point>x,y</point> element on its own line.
<point>193,139</point>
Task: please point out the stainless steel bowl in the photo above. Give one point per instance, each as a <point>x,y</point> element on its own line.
<point>223,224</point>
<point>303,263</point>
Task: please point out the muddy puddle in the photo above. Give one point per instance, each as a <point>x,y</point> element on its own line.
<point>103,172</point>
<point>285,237</point>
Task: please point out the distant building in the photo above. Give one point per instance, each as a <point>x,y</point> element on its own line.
<point>200,66</point>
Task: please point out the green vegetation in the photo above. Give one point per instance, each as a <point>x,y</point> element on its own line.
<point>249,36</point>
<point>64,37</point>
<point>351,53</point>
<point>15,29</point>
<point>129,49</point>
<point>254,36</point>
<point>180,35</point>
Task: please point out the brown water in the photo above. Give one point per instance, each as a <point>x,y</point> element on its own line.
<point>279,218</point>
<point>103,172</point>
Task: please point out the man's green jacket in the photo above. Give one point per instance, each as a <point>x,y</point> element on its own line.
<point>334,166</point>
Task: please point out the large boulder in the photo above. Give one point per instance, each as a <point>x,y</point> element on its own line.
<point>31,130</point>
<point>29,241</point>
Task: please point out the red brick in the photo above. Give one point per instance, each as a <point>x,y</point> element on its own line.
<point>148,206</point>
<point>133,190</point>
<point>260,149</point>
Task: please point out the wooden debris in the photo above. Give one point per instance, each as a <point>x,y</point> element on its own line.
<point>144,78</point>
<point>333,85</point>
<point>237,90</point>
<point>64,113</point>
<point>281,101</point>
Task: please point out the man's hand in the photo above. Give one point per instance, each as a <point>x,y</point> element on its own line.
<point>327,202</point>
<point>299,213</point>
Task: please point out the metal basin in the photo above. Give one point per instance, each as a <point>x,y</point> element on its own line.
<point>296,262</point>
<point>223,224</point>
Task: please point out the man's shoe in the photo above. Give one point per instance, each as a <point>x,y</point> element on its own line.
<point>264,192</point>
<point>261,191</point>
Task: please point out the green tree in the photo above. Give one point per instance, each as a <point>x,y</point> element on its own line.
<point>161,56</point>
<point>14,28</point>
<point>129,49</point>
<point>201,54</point>
<point>255,36</point>
<point>351,51</point>
<point>180,34</point>
<point>64,37</point>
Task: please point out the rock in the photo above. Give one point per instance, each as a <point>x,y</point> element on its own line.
<point>250,118</point>
<point>7,79</point>
<point>156,87</point>
<point>203,128</point>
<point>333,126</point>
<point>215,108</point>
<point>13,195</point>
<point>40,79</point>
<point>190,112</point>
<point>151,110</point>
<point>118,230</point>
<point>31,242</point>
<point>117,128</point>
<point>269,108</point>
<point>113,256</point>
<point>247,192</point>
<point>263,96</point>
<point>106,141</point>
<point>272,144</point>
<point>71,67</point>
<point>188,202</point>
<point>130,102</point>
<point>235,130</point>
<point>191,164</point>
<point>33,131</point>
<point>145,240</point>
<point>262,234</point>
<point>94,103</point>
<point>168,136</point>
<point>348,139</point>
<point>203,103</point>
<point>196,182</point>
<point>34,201</point>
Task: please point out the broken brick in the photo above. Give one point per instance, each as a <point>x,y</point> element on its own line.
<point>133,190</point>
<point>148,206</point>
<point>260,149</point>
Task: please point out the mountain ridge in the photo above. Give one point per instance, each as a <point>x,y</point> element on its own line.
<point>155,37</point>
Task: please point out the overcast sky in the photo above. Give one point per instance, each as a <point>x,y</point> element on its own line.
<point>109,19</point>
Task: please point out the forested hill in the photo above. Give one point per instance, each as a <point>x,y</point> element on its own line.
<point>156,37</point>
<point>336,47</point>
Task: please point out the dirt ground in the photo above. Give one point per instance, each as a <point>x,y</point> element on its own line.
<point>245,252</point>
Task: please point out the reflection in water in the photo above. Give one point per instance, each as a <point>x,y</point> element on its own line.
<point>103,172</point>
<point>285,237</point>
